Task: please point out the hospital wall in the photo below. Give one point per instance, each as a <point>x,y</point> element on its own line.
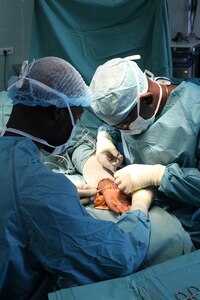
<point>178,16</point>
<point>16,22</point>
<point>15,31</point>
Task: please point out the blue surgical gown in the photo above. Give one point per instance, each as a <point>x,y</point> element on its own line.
<point>173,140</point>
<point>45,232</point>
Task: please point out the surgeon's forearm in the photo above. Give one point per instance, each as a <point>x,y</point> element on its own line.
<point>94,172</point>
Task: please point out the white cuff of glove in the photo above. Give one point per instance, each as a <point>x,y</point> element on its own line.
<point>142,199</point>
<point>158,174</point>
<point>103,134</point>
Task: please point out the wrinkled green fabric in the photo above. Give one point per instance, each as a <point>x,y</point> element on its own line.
<point>88,33</point>
<point>160,282</point>
<point>168,239</point>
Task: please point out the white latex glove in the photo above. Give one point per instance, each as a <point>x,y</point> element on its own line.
<point>86,192</point>
<point>135,177</point>
<point>142,199</point>
<point>106,153</point>
<point>93,172</point>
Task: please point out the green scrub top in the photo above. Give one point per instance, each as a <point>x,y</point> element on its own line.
<point>173,140</point>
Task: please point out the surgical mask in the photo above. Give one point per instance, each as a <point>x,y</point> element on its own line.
<point>140,124</point>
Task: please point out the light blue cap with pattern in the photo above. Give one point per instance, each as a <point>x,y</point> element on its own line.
<point>49,81</point>
<point>115,87</point>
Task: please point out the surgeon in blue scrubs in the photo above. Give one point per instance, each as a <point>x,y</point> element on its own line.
<point>45,232</point>
<point>157,122</point>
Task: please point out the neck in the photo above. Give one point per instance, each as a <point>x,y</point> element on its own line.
<point>166,91</point>
<point>164,97</point>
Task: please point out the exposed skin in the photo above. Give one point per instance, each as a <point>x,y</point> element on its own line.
<point>148,104</point>
<point>36,120</point>
<point>112,197</point>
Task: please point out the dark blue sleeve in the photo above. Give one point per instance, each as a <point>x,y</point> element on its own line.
<point>69,242</point>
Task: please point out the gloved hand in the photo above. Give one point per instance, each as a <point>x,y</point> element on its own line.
<point>86,192</point>
<point>142,199</point>
<point>135,177</point>
<point>106,153</point>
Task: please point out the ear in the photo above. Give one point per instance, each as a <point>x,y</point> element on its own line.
<point>147,105</point>
<point>146,98</point>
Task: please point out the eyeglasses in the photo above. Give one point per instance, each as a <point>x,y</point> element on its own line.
<point>124,125</point>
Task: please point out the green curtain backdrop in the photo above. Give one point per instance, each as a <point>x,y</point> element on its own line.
<point>89,32</point>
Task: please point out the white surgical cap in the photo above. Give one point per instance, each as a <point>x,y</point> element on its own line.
<point>114,89</point>
<point>49,81</point>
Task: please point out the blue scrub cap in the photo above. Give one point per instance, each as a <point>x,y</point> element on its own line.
<point>49,81</point>
<point>115,87</point>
